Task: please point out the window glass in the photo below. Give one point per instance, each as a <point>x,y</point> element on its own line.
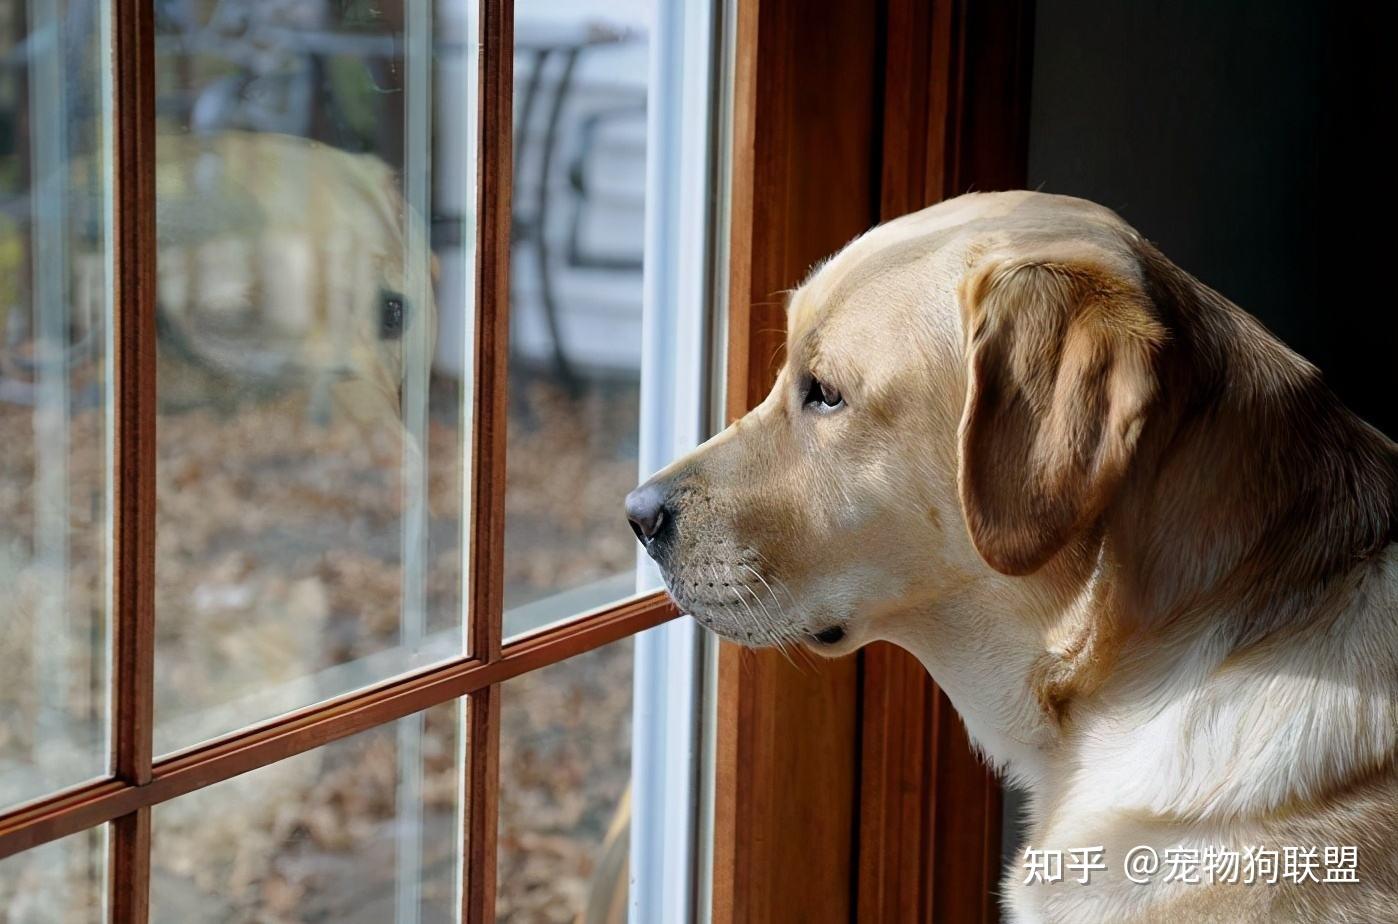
<point>55,367</point>
<point>581,74</point>
<point>61,882</point>
<point>362,831</point>
<point>565,773</point>
<point>315,187</point>
<point>612,321</point>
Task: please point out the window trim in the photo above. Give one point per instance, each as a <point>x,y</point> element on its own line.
<point>684,235</point>
<point>803,173</point>
<point>908,824</point>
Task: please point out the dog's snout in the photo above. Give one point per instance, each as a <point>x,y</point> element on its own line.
<point>647,511</point>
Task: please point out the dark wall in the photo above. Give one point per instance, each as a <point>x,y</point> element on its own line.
<point>1244,138</point>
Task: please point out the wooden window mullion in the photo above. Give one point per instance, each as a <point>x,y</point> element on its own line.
<point>494,168</point>
<point>482,800</point>
<point>133,521</point>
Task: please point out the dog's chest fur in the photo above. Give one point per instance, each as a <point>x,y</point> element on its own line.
<point>1289,746</point>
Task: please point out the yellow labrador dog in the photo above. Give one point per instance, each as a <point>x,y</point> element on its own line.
<point>1145,551</point>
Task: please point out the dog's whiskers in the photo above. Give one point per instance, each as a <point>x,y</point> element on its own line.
<point>770,630</point>
<point>765,625</point>
<point>770,592</point>
<point>790,633</point>
<point>769,623</point>
<point>765,622</point>
<point>767,631</point>
<point>752,616</point>
<point>786,590</point>
<point>809,658</point>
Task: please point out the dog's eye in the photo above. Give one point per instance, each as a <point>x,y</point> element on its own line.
<point>822,396</point>
<point>393,315</point>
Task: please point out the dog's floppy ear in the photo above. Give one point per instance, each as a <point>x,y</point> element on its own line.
<point>1061,355</point>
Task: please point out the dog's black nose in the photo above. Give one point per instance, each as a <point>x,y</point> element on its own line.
<point>645,508</point>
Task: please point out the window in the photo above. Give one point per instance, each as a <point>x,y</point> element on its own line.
<point>332,335</point>
<point>56,244</point>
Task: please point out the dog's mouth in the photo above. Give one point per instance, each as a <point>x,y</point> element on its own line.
<point>745,633</point>
<point>739,604</point>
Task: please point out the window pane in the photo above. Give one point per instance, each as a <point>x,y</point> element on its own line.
<point>61,882</point>
<point>575,314</point>
<point>316,198</point>
<point>55,352</point>
<point>362,831</point>
<point>565,772</point>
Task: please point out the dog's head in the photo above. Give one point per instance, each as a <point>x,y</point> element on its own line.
<point>962,395</point>
<point>324,277</point>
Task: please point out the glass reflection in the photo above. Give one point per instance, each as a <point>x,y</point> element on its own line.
<point>565,772</point>
<point>55,352</point>
<point>61,882</point>
<point>315,192</point>
<point>362,831</point>
<point>581,74</point>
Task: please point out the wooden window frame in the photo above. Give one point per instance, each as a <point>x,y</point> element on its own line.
<point>138,781</point>
<point>847,790</point>
<point>844,113</point>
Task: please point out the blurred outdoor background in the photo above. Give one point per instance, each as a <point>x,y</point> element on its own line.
<point>315,180</point>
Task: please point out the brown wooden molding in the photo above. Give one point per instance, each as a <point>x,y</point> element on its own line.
<point>128,868</point>
<point>132,611</point>
<point>897,783</point>
<point>133,504</point>
<point>481,799</point>
<point>489,412</point>
<point>956,106</point>
<point>805,177</point>
<point>489,423</point>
